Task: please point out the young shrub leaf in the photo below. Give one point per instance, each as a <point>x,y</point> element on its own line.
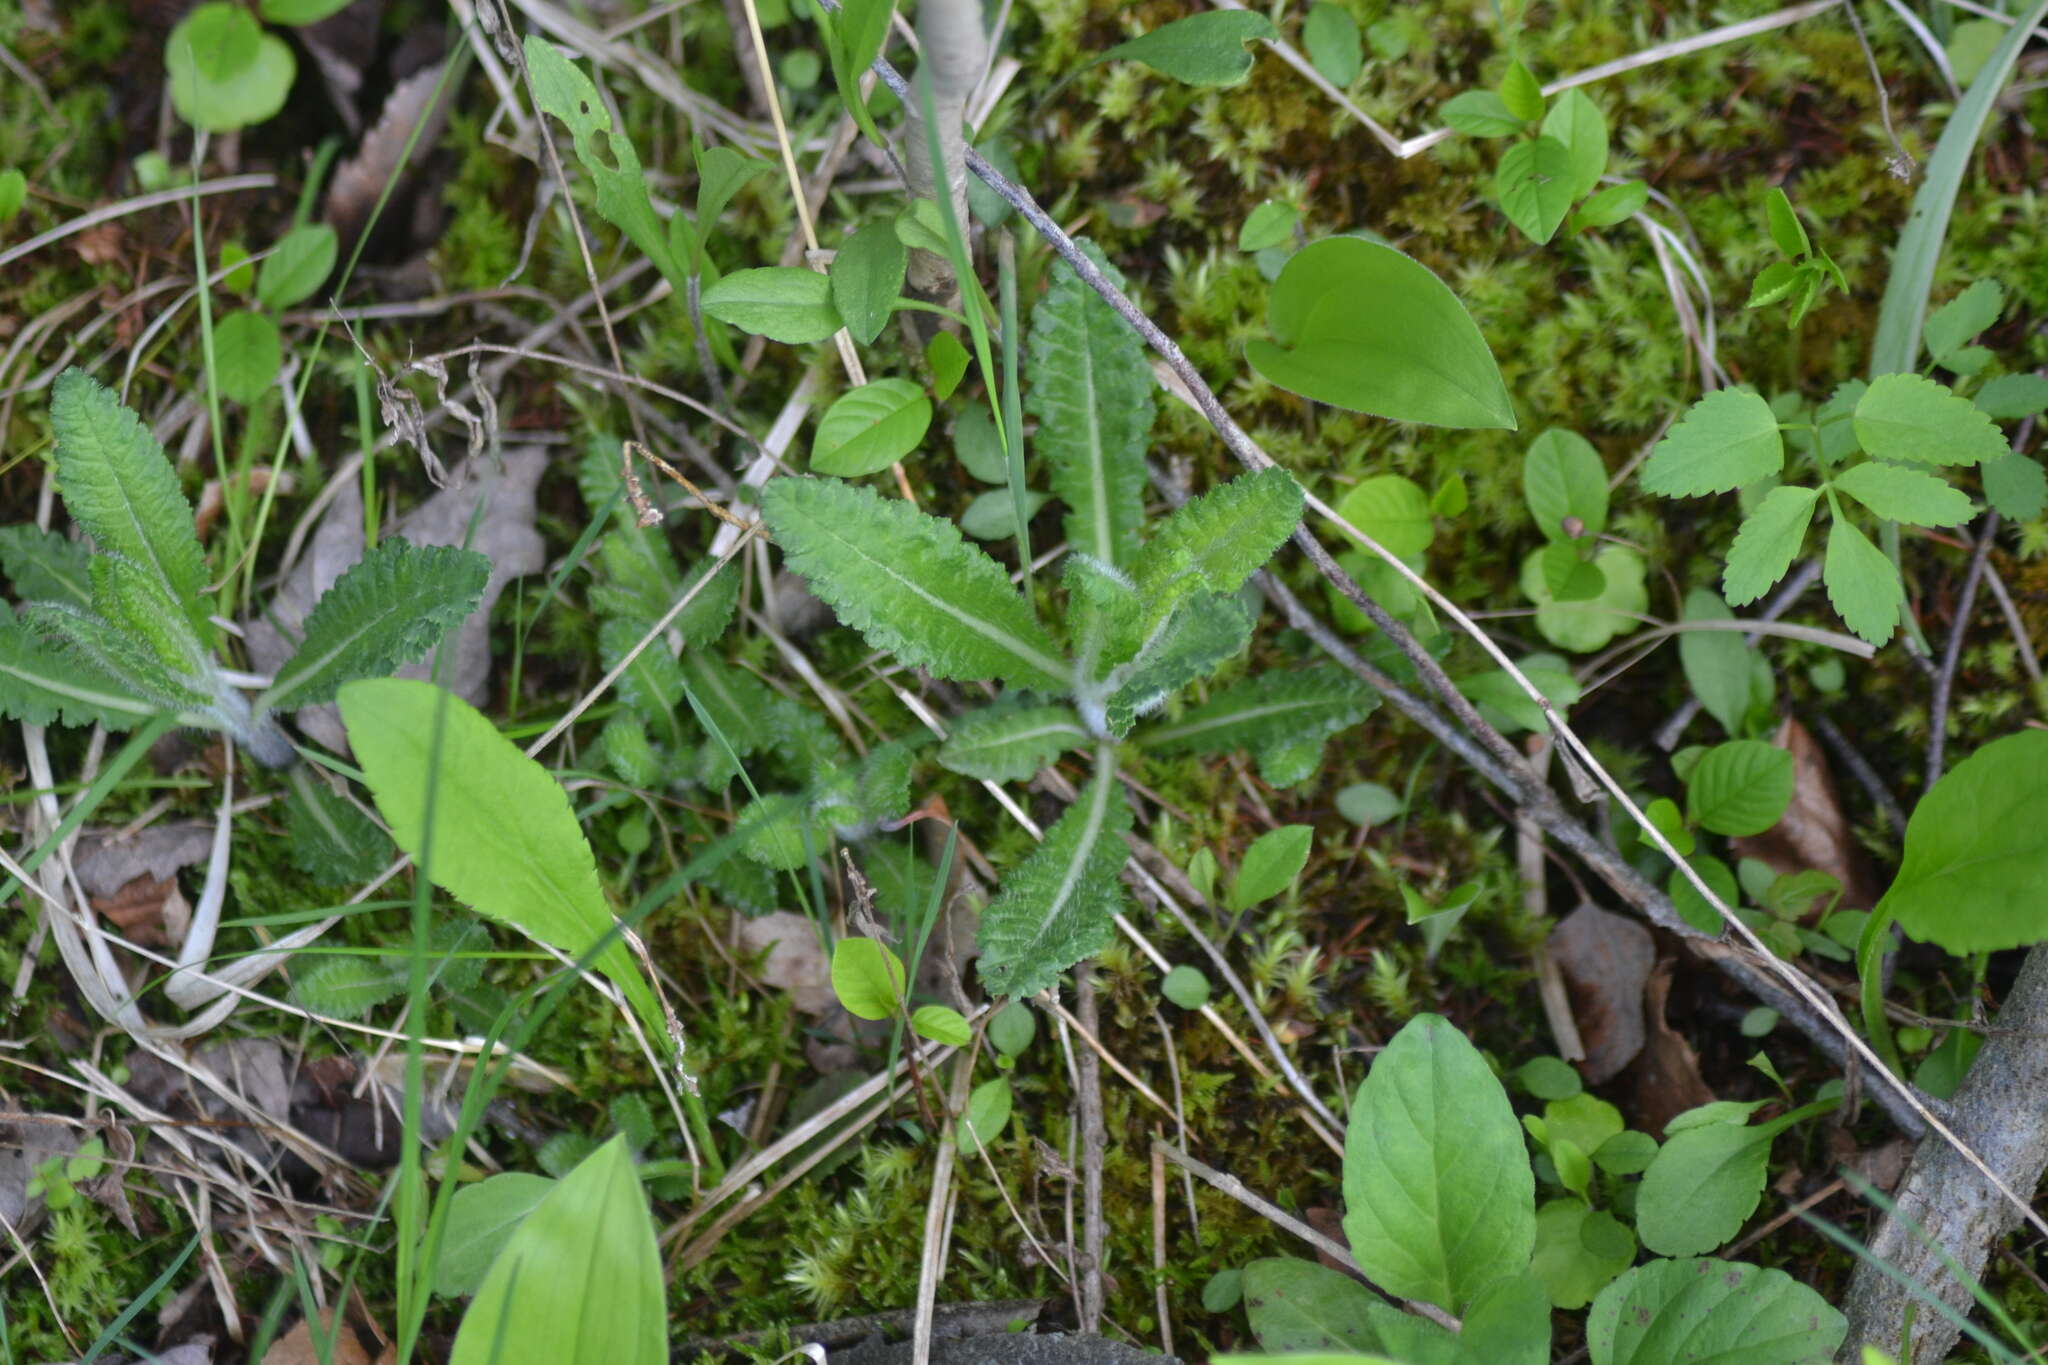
<point>1091,389</point>
<point>1768,543</point>
<point>910,584</point>
<point>1270,865</point>
<point>1727,440</point>
<point>1006,743</point>
<point>1203,49</point>
<point>782,303</point>
<point>1718,665</point>
<point>1950,328</point>
<point>1740,788</point>
<point>389,609</point>
<point>579,1282</point>
<point>1577,123</point>
<point>1392,510</point>
<point>506,841</point>
<point>43,566</point>
<point>119,485</point>
<point>1724,1312</point>
<point>1564,482</point>
<point>1359,325</point>
<point>303,260</point>
<point>1897,493</point>
<point>1861,583</point>
<point>1911,418</point>
<point>1975,861</point>
<point>867,978</point>
<point>1225,535</point>
<point>988,1113</point>
<point>2015,485</point>
<point>1481,113</point>
<point>1439,1200</point>
<point>867,276</point>
<point>1268,711</point>
<point>1058,905</point>
<point>870,428</point>
<point>1534,185</point>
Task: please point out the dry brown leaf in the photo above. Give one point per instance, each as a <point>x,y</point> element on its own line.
<point>106,863</point>
<point>1814,832</point>
<point>138,909</point>
<point>1605,960</point>
<point>359,181</point>
<point>795,960</point>
<point>297,1347</point>
<point>1668,1080</point>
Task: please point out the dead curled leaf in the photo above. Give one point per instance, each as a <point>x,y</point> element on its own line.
<point>792,959</point>
<point>1668,1080</point>
<point>1605,960</point>
<point>380,158</point>
<point>1815,832</point>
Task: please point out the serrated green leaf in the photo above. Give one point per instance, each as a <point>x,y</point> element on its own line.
<point>1266,710</point>
<point>782,303</point>
<point>1270,865</point>
<point>1901,494</point>
<point>130,598</point>
<point>2015,485</point>
<point>506,841</point>
<point>730,702</point>
<point>1010,743</point>
<point>300,264</point>
<point>1439,1199</point>
<point>344,987</point>
<point>1481,113</point>
<point>2009,397</point>
<point>1861,583</point>
<point>1740,788</point>
<point>652,685</point>
<point>1950,327</point>
<point>1774,282</point>
<point>870,428</point>
<point>43,566</point>
<point>866,278</point>
<point>1727,440</point>
<point>1090,387</point>
<point>910,584</point>
<point>579,1282</point>
<point>388,609</point>
<point>1768,543</point>
<point>1359,325</point>
<point>118,484</point>
<point>1565,484</point>
<point>42,684</point>
<point>1911,418</point>
<point>1058,906</point>
<point>1534,185</point>
<point>1206,630</point>
<point>329,839</point>
<point>1223,537</point>
<point>1974,861</point>
<point>108,652</point>
<point>1786,229</point>
<point>1203,49</point>
<point>1576,122</point>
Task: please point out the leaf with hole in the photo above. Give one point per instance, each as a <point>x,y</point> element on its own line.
<point>1534,185</point>
<point>1359,325</point>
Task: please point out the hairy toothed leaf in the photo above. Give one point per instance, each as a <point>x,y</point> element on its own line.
<point>1090,387</point>
<point>1226,535</point>
<point>910,583</point>
<point>1058,905</point>
<point>1910,418</point>
<point>730,703</point>
<point>112,653</point>
<point>1269,710</point>
<point>1008,743</point>
<point>624,747</point>
<point>118,484</point>
<point>345,987</point>
<point>44,684</point>
<point>506,841</point>
<point>1949,327</point>
<point>389,609</point>
<point>1768,543</point>
<point>330,840</point>
<point>1726,440</point>
<point>132,599</point>
<point>1206,630</point>
<point>652,685</point>
<point>1901,494</point>
<point>42,566</point>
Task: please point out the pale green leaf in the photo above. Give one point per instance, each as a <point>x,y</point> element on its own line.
<point>480,1219</point>
<point>947,359</point>
<point>1186,987</point>
<point>1702,1187</point>
<point>1271,224</point>
<point>388,609</point>
<point>1359,325</point>
<point>1565,485</point>
<point>247,355</point>
<point>1089,385</point>
<point>298,12</point>
<point>118,484</point>
<point>2008,397</point>
<point>988,1113</point>
<point>870,428</point>
<point>2015,485</point>
<point>1727,440</point>
<point>1717,663</point>
<point>1613,204</point>
<point>1950,327</point>
<point>1534,185</point>
<point>1481,113</point>
<point>1786,229</point>
<point>1393,510</point>
<point>1503,702</point>
<point>1576,122</point>
<point>13,193</point>
<point>1861,583</point>
<point>300,264</point>
<point>1008,743</point>
<point>1709,1312</point>
<point>1768,543</point>
<point>866,278</point>
<point>1439,1199</point>
<point>1974,864</point>
<point>1521,93</point>
<point>993,516</point>
<point>1572,1265</point>
<point>942,1024</point>
<point>867,977</point>
<point>579,1282</point>
<point>910,583</point>
<point>1901,494</point>
<point>1207,48</point>
<point>506,842</point>
<point>1335,47</point>
<point>1583,627</point>
<point>1059,905</point>
<point>225,71</point>
<point>1740,788</point>
<point>782,303</point>
<point>1910,417</point>
<point>1270,865</point>
<point>42,684</point>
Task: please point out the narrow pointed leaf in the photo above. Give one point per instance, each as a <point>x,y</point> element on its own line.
<point>1010,743</point>
<point>910,583</point>
<point>1224,536</point>
<point>1268,710</point>
<point>1059,905</point>
<point>1768,543</point>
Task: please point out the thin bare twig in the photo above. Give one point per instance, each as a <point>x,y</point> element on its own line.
<point>1952,652</point>
<point>1094,1145</point>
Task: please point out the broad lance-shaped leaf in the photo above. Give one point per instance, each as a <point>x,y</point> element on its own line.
<point>1088,384</point>
<point>42,684</point>
<point>1194,642</point>
<point>506,841</point>
<point>1438,1196</point>
<point>389,609</point>
<point>1268,711</point>
<point>910,583</point>
<point>1224,536</point>
<point>118,484</point>
<point>1058,905</point>
<point>1007,743</point>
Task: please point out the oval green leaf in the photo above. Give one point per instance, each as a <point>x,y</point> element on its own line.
<point>867,977</point>
<point>781,303</point>
<point>871,428</point>
<point>1975,861</point>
